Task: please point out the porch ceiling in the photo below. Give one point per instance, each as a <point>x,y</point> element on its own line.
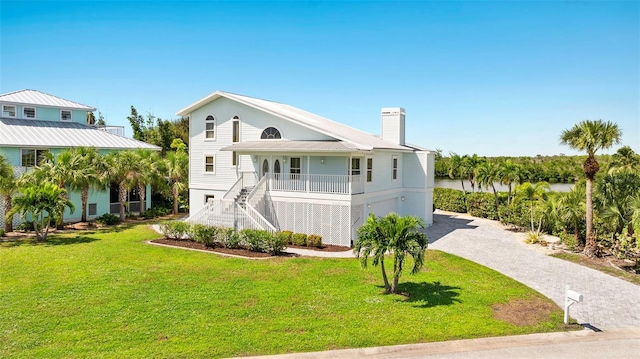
<point>289,146</point>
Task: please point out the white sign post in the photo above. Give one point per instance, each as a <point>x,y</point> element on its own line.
<point>571,298</point>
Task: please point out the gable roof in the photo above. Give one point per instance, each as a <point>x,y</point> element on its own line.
<point>359,139</point>
<point>53,134</point>
<point>35,97</point>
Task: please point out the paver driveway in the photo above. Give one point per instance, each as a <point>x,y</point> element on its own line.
<point>609,302</point>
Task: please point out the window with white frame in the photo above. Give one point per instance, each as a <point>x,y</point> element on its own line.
<point>31,157</point>
<point>29,112</point>
<point>65,115</point>
<point>294,169</point>
<point>207,197</point>
<point>210,128</point>
<point>235,129</point>
<point>234,158</point>
<point>355,167</point>
<point>394,169</point>
<point>8,111</point>
<point>369,169</point>
<point>270,133</point>
<point>210,164</point>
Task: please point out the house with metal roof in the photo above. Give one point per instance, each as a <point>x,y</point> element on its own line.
<point>33,122</point>
<point>261,164</point>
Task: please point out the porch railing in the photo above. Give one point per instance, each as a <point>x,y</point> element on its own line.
<point>334,184</point>
<point>228,213</point>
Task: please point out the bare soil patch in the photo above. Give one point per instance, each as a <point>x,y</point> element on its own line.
<point>524,312</point>
<point>235,251</point>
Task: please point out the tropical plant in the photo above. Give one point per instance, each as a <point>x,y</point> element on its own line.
<point>8,186</point>
<point>572,209</point>
<point>455,168</point>
<point>591,136</point>
<point>122,169</point>
<point>509,173</point>
<point>86,173</point>
<point>176,167</point>
<point>624,159</point>
<point>400,236</point>
<point>616,193</point>
<point>533,194</point>
<point>43,203</point>
<point>146,173</point>
<point>487,174</point>
<point>468,167</point>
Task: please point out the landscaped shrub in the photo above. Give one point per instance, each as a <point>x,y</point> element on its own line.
<point>1,232</point>
<point>274,244</point>
<point>515,214</point>
<point>482,204</point>
<point>228,237</point>
<point>26,226</point>
<point>204,234</point>
<point>254,239</point>
<point>286,236</point>
<point>299,239</point>
<point>177,230</point>
<point>448,199</point>
<point>314,240</point>
<point>154,212</point>
<point>108,219</point>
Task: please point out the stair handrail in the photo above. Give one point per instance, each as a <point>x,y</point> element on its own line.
<point>258,219</point>
<point>234,191</point>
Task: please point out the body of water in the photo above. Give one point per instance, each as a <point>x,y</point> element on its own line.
<point>455,184</point>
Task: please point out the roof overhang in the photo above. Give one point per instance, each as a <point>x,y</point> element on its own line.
<point>293,146</point>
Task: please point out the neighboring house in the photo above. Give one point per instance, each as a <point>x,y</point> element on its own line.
<point>262,164</point>
<point>33,123</point>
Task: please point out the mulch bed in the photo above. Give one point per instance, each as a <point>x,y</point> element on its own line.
<point>237,252</point>
<point>324,248</point>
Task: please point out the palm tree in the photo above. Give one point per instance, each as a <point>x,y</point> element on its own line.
<point>397,235</point>
<point>616,193</point>
<point>624,159</point>
<point>8,186</point>
<point>468,168</point>
<point>121,167</point>
<point>455,165</point>
<point>146,173</point>
<point>591,136</point>
<point>571,210</point>
<point>87,173</point>
<point>487,174</point>
<point>176,167</point>
<point>44,203</point>
<point>533,193</point>
<point>509,173</point>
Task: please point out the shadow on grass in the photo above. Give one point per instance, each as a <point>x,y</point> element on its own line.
<point>426,295</point>
<point>51,241</point>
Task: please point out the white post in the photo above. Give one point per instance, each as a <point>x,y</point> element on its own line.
<point>571,298</point>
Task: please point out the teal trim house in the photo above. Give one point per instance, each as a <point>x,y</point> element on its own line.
<point>33,122</point>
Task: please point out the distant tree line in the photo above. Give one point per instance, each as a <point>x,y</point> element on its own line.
<point>157,131</point>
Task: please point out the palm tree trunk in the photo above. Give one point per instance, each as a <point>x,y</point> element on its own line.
<point>142,190</point>
<point>8,222</point>
<point>387,287</point>
<point>84,195</point>
<point>591,246</point>
<point>122,198</point>
<point>509,194</point>
<point>495,195</point>
<point>174,193</point>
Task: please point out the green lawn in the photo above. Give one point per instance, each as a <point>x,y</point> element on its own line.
<point>108,294</point>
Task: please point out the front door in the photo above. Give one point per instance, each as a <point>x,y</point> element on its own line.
<point>265,168</point>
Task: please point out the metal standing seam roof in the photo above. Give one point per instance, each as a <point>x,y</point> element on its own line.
<point>35,97</point>
<point>53,134</point>
<point>360,139</point>
<point>288,146</point>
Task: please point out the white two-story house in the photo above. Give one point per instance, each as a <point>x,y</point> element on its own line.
<point>255,163</point>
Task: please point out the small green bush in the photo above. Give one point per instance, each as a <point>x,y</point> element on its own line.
<point>286,236</point>
<point>482,204</point>
<point>177,230</point>
<point>299,239</point>
<point>25,226</point>
<point>228,237</point>
<point>274,244</point>
<point>255,239</point>
<point>448,199</point>
<point>515,214</point>
<point>204,234</point>
<point>108,219</point>
<point>314,240</point>
<point>1,232</point>
<point>154,212</point>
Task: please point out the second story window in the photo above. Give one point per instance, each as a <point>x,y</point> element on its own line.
<point>8,111</point>
<point>236,129</point>
<point>295,167</point>
<point>394,169</point>
<point>369,169</point>
<point>29,112</point>
<point>210,164</point>
<point>65,115</point>
<point>271,133</point>
<point>355,167</point>
<point>210,128</point>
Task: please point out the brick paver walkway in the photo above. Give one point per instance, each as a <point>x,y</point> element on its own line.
<point>609,302</point>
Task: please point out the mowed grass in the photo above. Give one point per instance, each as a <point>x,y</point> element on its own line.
<point>108,294</point>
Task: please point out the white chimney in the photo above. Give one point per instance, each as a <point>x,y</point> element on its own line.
<point>392,124</point>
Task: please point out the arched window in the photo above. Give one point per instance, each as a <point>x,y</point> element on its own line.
<point>210,127</point>
<point>235,129</point>
<point>270,133</point>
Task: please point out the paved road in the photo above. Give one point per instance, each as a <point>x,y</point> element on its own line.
<point>609,302</point>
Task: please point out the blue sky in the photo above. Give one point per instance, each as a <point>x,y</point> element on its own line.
<point>492,78</point>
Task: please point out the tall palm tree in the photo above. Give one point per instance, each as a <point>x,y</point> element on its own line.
<point>510,173</point>
<point>122,169</point>
<point>572,209</point>
<point>591,136</point>
<point>468,168</point>
<point>455,166</point>
<point>398,235</point>
<point>146,173</point>
<point>487,174</point>
<point>533,193</point>
<point>87,173</point>
<point>176,167</point>
<point>8,186</point>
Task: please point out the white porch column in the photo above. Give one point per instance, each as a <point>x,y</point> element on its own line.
<point>308,172</point>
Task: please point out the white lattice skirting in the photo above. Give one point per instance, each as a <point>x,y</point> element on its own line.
<point>330,221</point>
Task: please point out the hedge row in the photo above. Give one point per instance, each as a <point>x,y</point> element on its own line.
<point>480,204</point>
<point>251,239</point>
